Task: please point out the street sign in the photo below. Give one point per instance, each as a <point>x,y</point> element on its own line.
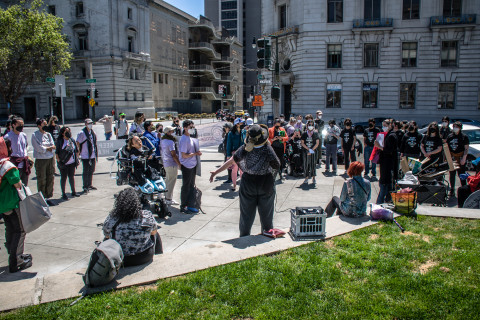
<point>60,89</point>
<point>52,80</point>
<point>260,77</point>
<point>258,102</point>
<point>91,102</point>
<point>265,81</point>
<point>90,80</point>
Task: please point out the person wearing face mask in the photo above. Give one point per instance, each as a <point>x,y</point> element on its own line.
<point>235,139</point>
<point>290,128</point>
<point>151,140</point>
<point>310,143</point>
<point>53,127</point>
<point>283,123</point>
<point>333,134</point>
<point>171,163</point>
<point>369,136</point>
<point>445,128</point>
<point>299,124</point>
<point>294,145</point>
<point>410,145</point>
<point>10,183</point>
<point>190,153</point>
<point>159,130</point>
<point>121,127</point>
<point>137,125</point>
<point>67,160</point>
<point>258,162</point>
<point>277,136</point>
<point>87,146</point>
<point>319,125</point>
<point>348,143</point>
<point>458,143</point>
<point>43,152</point>
<point>387,161</point>
<point>431,145</point>
<point>19,145</point>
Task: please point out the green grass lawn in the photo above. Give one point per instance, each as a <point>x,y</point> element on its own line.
<point>429,272</point>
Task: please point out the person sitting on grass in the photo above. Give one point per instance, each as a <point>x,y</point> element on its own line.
<point>356,192</point>
<point>133,228</point>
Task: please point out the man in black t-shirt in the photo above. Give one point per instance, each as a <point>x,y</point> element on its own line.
<point>348,143</point>
<point>369,136</point>
<point>410,145</point>
<point>387,162</point>
<point>458,144</point>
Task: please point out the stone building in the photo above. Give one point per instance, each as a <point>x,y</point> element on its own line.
<point>410,59</point>
<point>169,33</point>
<point>215,67</point>
<point>242,19</point>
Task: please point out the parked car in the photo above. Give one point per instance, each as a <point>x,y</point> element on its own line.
<point>239,113</point>
<point>361,126</point>
<point>473,133</point>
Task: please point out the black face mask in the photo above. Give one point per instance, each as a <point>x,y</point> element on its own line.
<point>370,125</point>
<point>68,135</point>
<point>276,127</point>
<point>44,128</point>
<point>19,128</point>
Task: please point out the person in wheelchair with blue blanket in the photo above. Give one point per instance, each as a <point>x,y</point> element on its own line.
<point>143,163</point>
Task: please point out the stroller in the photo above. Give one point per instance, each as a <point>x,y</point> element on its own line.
<point>152,194</point>
<point>293,159</point>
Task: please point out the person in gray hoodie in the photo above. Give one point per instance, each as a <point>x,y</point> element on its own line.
<point>43,152</point>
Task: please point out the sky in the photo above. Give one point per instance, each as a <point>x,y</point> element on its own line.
<point>192,7</point>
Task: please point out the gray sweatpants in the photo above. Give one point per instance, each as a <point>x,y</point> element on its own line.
<point>256,191</point>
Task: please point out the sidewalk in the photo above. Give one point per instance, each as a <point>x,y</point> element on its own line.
<point>61,248</point>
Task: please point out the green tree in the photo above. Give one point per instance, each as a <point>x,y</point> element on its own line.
<point>32,47</point>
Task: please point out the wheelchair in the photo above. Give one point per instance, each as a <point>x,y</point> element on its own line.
<point>152,196</point>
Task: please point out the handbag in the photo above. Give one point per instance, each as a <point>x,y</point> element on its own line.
<point>34,210</point>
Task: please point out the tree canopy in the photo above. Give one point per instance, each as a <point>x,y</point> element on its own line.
<point>32,47</point>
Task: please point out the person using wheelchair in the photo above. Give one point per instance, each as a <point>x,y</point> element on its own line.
<point>143,164</point>
<point>294,153</point>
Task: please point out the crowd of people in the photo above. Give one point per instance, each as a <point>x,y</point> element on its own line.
<point>254,153</point>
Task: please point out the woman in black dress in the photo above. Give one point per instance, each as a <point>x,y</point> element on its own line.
<point>310,143</point>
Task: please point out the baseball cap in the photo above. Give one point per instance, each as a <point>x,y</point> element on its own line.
<point>249,122</point>
<point>168,129</point>
<point>88,120</point>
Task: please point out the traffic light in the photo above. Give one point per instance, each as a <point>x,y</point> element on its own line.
<point>88,94</point>
<point>96,93</point>
<point>264,53</point>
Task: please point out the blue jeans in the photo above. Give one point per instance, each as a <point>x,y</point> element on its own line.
<point>108,135</point>
<point>367,152</point>
<point>331,153</point>
<point>384,194</point>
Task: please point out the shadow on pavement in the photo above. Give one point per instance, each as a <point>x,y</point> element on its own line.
<point>6,276</point>
<point>249,241</point>
<point>356,221</point>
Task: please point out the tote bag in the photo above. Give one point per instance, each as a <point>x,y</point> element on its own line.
<point>34,210</point>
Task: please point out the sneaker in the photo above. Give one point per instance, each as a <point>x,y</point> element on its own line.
<point>85,190</point>
<point>50,202</point>
<point>172,202</point>
<point>327,170</point>
<point>228,181</point>
<point>64,197</point>
<point>183,210</point>
<point>147,188</point>
<point>74,194</point>
<point>92,188</point>
<point>334,172</point>
<point>305,181</point>
<point>192,210</point>
<point>27,263</point>
<point>314,181</point>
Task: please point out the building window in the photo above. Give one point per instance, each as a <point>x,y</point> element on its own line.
<point>407,95</point>
<point>282,16</point>
<point>160,78</point>
<point>52,10</point>
<point>154,77</point>
<point>411,9</point>
<point>446,96</point>
<point>370,55</point>
<point>166,78</point>
<point>226,5</point>
<point>452,8</point>
<point>229,14</point>
<point>126,96</point>
<point>229,24</point>
<point>334,56</point>
<point>134,96</point>
<point>371,9</point>
<point>335,11</point>
<point>130,41</point>
<point>82,41</point>
<point>174,88</point>
<point>449,54</point>
<point>129,13</point>
<point>334,95</point>
<point>79,9</point>
<point>370,95</point>
<point>143,96</point>
<point>84,72</point>
<point>134,74</point>
<point>409,54</point>
<point>174,56</point>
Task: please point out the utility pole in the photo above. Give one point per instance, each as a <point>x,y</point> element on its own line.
<point>92,91</point>
<point>276,71</point>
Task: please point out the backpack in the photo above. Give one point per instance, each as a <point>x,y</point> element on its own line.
<point>105,262</point>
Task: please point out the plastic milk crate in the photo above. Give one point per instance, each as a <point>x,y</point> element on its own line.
<point>308,221</point>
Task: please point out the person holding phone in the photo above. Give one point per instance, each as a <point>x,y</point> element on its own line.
<point>278,138</point>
